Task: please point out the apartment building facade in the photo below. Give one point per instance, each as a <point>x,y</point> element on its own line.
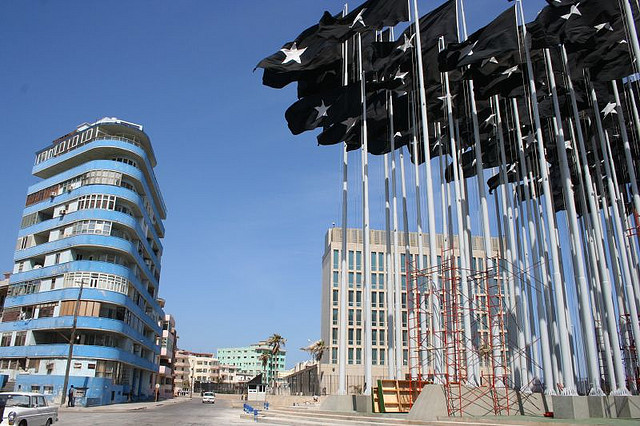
<point>168,347</point>
<point>89,245</point>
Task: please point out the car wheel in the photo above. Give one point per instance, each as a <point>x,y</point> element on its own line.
<point>23,423</point>
<point>48,422</point>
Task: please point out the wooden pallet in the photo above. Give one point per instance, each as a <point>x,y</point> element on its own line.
<point>393,396</point>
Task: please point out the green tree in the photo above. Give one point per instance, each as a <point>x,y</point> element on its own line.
<point>264,358</point>
<point>275,342</point>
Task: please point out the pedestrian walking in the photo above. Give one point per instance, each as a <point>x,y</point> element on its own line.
<point>72,393</point>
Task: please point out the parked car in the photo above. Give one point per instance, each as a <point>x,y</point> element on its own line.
<point>26,408</point>
<point>209,397</point>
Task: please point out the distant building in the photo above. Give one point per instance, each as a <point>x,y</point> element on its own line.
<point>167,357</point>
<point>182,374</point>
<point>247,359</point>
<point>91,229</point>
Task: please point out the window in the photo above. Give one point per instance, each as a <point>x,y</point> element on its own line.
<point>334,355</point>
<point>350,259</point>
<point>350,356</point>
<point>100,227</point>
<point>381,335</point>
<point>335,297</point>
<point>374,337</point>
<point>374,318</point>
<point>358,298</point>
<point>358,336</point>
<point>381,318</point>
<point>358,279</point>
<point>21,338</point>
<point>404,300</point>
<point>381,262</point>
<point>374,299</point>
<point>351,298</point>
<point>350,279</point>
<point>102,177</point>
<point>334,336</point>
<point>358,260</point>
<point>97,201</point>
<point>336,259</point>
<point>374,257</point>
<point>382,353</point>
<point>350,338</point>
<point>126,161</point>
<point>403,262</point>
<point>374,281</point>
<point>6,339</point>
<point>374,356</point>
<point>358,356</point>
<point>381,299</point>
<point>358,317</point>
<point>336,278</point>
<point>350,316</point>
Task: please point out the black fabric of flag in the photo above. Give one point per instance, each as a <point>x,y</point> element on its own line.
<point>307,52</point>
<point>370,16</point>
<point>497,38</point>
<point>324,109</point>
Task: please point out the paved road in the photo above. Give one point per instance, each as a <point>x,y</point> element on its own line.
<point>189,413</point>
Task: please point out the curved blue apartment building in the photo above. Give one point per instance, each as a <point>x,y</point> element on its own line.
<point>94,220</point>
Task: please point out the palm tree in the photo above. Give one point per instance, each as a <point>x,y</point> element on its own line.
<point>264,359</point>
<point>316,349</point>
<point>276,342</point>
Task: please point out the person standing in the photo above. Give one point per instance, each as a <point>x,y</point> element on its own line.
<point>72,393</point>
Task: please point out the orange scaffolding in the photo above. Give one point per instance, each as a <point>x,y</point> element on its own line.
<point>485,306</point>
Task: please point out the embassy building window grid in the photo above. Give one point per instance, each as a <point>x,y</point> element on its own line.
<point>94,219</point>
<point>331,272</point>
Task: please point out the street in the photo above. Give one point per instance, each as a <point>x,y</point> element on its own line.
<point>191,412</point>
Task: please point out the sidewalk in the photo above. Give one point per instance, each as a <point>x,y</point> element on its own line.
<point>126,406</point>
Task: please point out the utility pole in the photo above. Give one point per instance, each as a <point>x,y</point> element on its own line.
<point>71,342</point>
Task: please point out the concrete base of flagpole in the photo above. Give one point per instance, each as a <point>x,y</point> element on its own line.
<point>339,403</point>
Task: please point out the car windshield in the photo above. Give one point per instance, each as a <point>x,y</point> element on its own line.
<point>208,394</point>
<point>12,400</point>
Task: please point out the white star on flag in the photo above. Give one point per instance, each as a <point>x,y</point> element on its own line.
<point>350,122</point>
<point>358,19</point>
<point>573,11</point>
<point>568,144</point>
<point>610,109</point>
<point>322,110</point>
<point>406,44</point>
<point>468,50</point>
<point>489,120</point>
<point>510,71</point>
<point>293,54</point>
<point>623,41</point>
<point>604,26</point>
<point>400,76</point>
<point>491,60</point>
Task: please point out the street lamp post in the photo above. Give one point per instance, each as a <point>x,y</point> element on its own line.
<point>71,342</point>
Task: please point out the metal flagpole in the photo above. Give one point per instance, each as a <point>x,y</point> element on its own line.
<point>547,370</point>
<point>569,387</point>
<point>366,248</point>
<point>438,359</point>
<point>615,218</point>
<point>471,364</point>
<point>342,331</point>
<point>574,233</point>
<point>594,218</point>
<point>407,253</point>
<point>627,149</point>
<point>391,249</point>
<point>514,287</point>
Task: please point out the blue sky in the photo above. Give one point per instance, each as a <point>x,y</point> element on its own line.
<point>248,203</point>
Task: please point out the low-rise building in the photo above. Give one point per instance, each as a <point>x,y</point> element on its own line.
<point>249,360</point>
<point>165,384</point>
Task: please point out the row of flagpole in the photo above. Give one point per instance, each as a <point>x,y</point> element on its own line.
<point>542,297</point>
<point>565,369</point>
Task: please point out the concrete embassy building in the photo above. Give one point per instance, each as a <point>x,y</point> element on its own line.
<point>331,272</point>
<point>91,231</point>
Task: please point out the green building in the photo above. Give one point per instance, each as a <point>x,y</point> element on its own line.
<point>248,359</point>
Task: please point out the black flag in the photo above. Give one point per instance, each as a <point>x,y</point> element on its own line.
<point>497,38</point>
<point>370,16</point>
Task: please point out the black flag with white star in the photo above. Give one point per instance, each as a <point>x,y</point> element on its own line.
<point>324,109</point>
<point>370,16</point>
<point>306,52</point>
<point>497,38</point>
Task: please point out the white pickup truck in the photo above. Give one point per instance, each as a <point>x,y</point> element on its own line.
<point>26,409</point>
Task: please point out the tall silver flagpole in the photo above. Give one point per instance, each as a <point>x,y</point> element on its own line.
<point>342,331</point>
<point>627,149</point>
<point>605,283</point>
<point>366,247</point>
<point>569,387</point>
<point>514,286</point>
<point>391,249</point>
<point>574,233</point>
<point>617,224</point>
<point>438,359</point>
<point>547,370</point>
<point>633,35</point>
<point>407,253</point>
<point>470,356</point>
